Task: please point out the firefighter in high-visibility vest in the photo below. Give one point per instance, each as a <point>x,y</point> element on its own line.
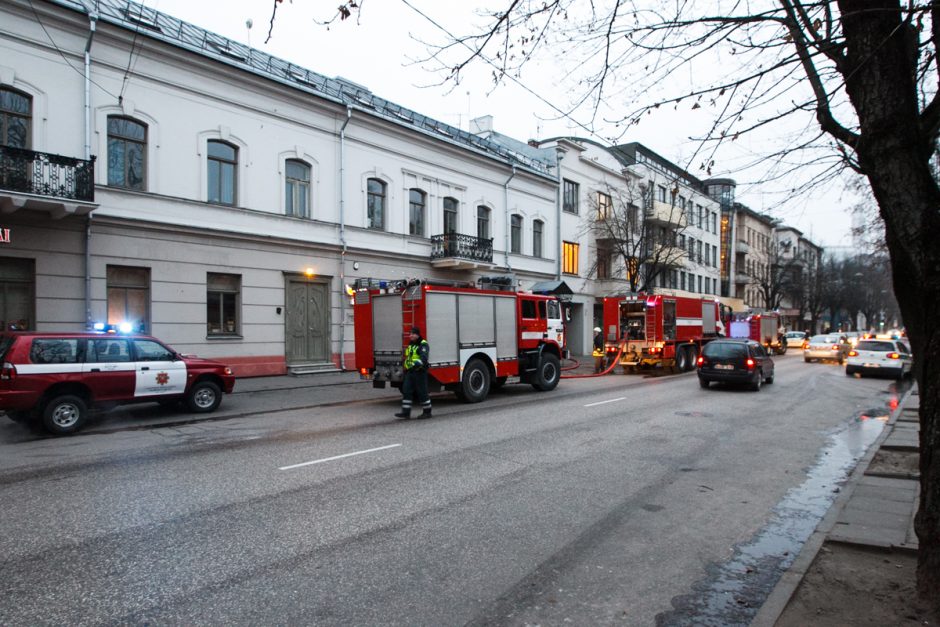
<point>599,358</point>
<point>414,387</point>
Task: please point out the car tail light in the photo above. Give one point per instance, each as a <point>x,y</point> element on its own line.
<point>700,360</point>
<point>893,356</point>
<point>8,372</point>
<point>750,363</point>
<point>853,353</point>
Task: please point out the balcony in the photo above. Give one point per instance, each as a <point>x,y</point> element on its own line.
<point>665,213</point>
<point>742,247</point>
<point>461,252</point>
<point>60,186</point>
<point>741,279</point>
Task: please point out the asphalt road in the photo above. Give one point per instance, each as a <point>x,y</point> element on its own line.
<point>606,501</point>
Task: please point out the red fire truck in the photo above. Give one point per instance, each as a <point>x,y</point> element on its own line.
<point>763,327</point>
<point>659,331</point>
<point>481,337</point>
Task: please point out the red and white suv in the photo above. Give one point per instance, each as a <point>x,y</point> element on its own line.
<point>57,377</point>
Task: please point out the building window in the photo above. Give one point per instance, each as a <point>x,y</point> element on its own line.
<point>17,281</point>
<point>375,204</point>
<point>682,281</point>
<point>603,260</point>
<point>661,193</point>
<point>223,158</point>
<point>450,215</point>
<point>570,258</point>
<point>483,222</point>
<point>701,214</point>
<point>222,303</point>
<point>537,228</point>
<point>570,196</point>
<point>297,188</point>
<point>698,251</point>
<point>129,297</point>
<point>699,281</point>
<point>15,118</point>
<point>691,250</point>
<point>127,150</point>
<point>515,234</point>
<point>605,206</point>
<point>417,202</point>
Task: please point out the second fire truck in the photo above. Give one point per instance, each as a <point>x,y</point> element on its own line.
<point>481,337</point>
<point>659,331</point>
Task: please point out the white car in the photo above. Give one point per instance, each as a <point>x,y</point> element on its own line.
<point>888,357</point>
<point>795,339</point>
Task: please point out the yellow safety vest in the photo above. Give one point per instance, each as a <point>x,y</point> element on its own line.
<point>412,358</point>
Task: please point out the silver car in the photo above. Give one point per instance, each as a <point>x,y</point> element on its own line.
<point>831,346</point>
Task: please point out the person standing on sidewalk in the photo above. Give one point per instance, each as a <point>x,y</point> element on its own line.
<point>599,360</point>
<point>415,386</point>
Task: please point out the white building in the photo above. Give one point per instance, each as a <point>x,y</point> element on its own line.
<point>234,195</point>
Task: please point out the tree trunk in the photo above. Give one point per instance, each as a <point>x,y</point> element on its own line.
<point>894,151</point>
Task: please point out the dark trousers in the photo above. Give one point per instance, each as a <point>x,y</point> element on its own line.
<point>414,389</point>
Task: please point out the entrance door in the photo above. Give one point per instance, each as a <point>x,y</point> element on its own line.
<point>308,321</point>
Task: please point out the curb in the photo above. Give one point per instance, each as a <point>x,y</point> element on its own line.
<point>780,596</point>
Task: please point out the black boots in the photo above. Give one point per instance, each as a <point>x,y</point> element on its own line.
<point>403,414</point>
<point>425,414</point>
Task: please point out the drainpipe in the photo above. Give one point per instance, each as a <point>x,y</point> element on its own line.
<point>559,155</point>
<point>342,240</point>
<point>508,218</point>
<point>92,23</point>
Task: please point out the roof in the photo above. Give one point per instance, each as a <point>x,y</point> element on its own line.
<point>558,288</point>
<point>147,22</point>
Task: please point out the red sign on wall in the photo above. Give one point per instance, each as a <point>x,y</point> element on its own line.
<point>4,236</point>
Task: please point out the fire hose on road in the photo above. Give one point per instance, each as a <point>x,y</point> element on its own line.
<point>608,370</point>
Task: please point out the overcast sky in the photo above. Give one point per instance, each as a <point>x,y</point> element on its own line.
<point>379,51</point>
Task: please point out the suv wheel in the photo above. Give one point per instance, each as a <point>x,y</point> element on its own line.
<point>64,414</point>
<point>204,397</point>
<point>758,380</point>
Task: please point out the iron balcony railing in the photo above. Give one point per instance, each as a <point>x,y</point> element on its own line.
<point>44,174</point>
<point>459,246</point>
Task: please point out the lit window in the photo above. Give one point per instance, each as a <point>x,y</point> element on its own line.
<point>604,206</point>
<point>570,258</point>
<point>127,149</point>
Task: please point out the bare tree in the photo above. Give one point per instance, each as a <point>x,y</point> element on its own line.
<point>633,241</point>
<point>778,278</point>
<point>860,77</point>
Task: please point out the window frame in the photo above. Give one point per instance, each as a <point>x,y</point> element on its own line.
<point>224,284</point>
<point>605,206</point>
<point>483,222</point>
<point>7,113</point>
<point>417,211</point>
<point>127,141</point>
<point>117,284</point>
<point>450,208</point>
<point>295,189</point>
<point>570,197</point>
<point>570,253</point>
<point>221,163</point>
<point>376,203</point>
<point>537,230</point>
<point>516,223</point>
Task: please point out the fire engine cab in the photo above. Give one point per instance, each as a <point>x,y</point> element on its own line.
<point>658,331</point>
<point>481,337</point>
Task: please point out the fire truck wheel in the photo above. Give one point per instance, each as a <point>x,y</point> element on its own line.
<point>64,414</point>
<point>203,397</point>
<point>475,385</point>
<point>548,374</point>
<point>682,359</point>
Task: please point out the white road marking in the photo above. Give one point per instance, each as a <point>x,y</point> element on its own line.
<point>329,459</point>
<point>613,400</point>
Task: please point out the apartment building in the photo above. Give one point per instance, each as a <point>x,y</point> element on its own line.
<point>156,174</point>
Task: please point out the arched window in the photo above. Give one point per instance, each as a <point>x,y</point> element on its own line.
<point>515,234</point>
<point>483,222</point>
<point>537,227</point>
<point>375,192</point>
<point>222,163</point>
<point>15,118</point>
<point>417,201</point>
<point>450,215</point>
<point>127,152</point>
<point>297,188</point>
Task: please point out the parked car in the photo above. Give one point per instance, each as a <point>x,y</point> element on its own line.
<point>55,378</point>
<point>822,347</point>
<point>735,361</point>
<point>886,357</point>
<point>796,339</point>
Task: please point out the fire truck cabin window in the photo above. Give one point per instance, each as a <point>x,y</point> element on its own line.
<point>542,309</point>
<point>528,309</point>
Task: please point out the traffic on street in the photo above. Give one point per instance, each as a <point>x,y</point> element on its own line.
<point>636,498</point>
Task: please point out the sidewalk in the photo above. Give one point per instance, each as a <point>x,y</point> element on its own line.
<point>873,516</point>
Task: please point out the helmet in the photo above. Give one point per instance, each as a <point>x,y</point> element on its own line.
<point>597,329</point>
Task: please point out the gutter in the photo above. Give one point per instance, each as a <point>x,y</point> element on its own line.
<point>508,218</point>
<point>92,25</point>
<point>342,240</point>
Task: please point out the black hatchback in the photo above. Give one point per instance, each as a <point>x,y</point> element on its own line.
<point>735,361</point>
